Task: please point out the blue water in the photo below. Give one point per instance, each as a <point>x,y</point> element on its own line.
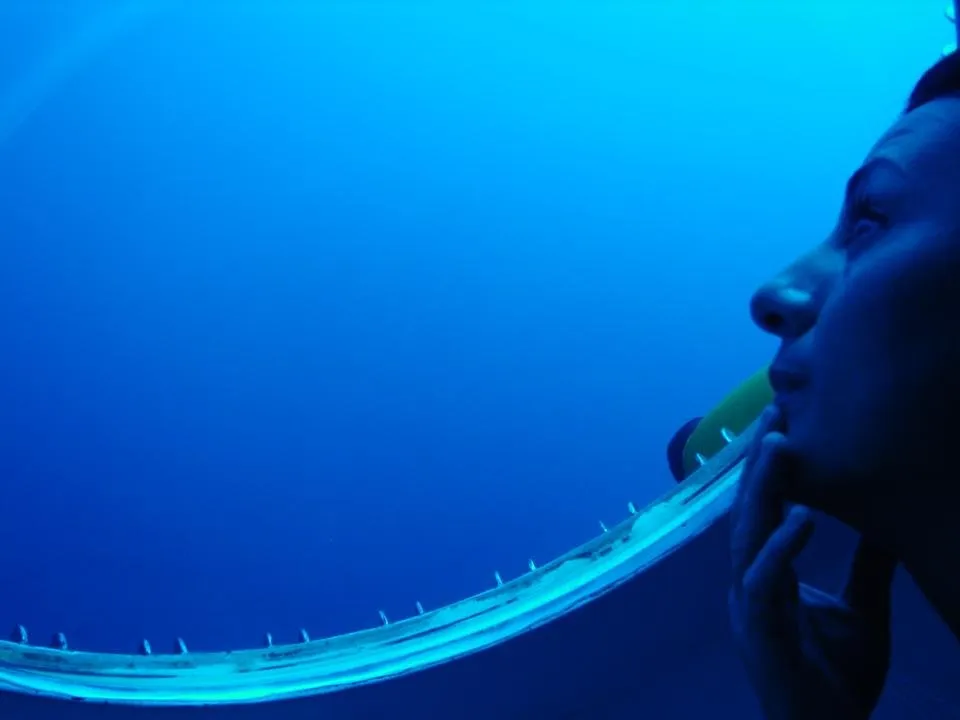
<point>306,314</point>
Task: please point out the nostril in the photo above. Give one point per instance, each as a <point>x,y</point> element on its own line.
<point>772,322</point>
<point>782,309</point>
<point>766,312</point>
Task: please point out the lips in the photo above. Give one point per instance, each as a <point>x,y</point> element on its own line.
<point>786,381</point>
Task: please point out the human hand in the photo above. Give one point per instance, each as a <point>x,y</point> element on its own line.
<point>808,654</point>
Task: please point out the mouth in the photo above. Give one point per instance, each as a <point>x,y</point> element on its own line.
<point>788,385</point>
<point>787,381</point>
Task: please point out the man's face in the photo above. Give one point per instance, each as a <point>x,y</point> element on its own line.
<point>868,372</point>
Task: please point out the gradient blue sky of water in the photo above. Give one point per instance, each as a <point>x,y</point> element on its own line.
<point>311,312</point>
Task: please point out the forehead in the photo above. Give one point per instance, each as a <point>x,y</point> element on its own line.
<point>925,143</point>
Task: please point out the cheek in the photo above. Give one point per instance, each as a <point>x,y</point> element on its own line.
<point>842,431</point>
<point>855,374</point>
<point>885,365</point>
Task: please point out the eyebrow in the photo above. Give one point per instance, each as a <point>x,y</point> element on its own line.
<point>865,172</point>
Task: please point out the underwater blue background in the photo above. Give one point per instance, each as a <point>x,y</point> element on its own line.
<point>324,309</point>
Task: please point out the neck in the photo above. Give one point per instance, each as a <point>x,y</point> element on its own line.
<point>930,551</point>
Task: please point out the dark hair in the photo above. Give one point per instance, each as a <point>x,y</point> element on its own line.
<point>942,80</point>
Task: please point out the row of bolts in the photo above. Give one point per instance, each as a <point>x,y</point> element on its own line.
<point>59,640</point>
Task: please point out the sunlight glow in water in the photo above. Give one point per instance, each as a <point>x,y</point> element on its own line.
<point>19,101</point>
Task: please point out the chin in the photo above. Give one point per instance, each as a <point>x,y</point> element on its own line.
<point>817,481</point>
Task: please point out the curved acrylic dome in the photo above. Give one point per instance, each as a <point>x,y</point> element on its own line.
<point>496,619</point>
<point>630,624</point>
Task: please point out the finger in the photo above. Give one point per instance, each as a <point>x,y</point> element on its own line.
<point>757,513</point>
<point>871,576</point>
<point>760,504</point>
<point>774,564</point>
<point>768,420</point>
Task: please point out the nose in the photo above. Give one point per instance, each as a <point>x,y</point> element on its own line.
<point>781,308</point>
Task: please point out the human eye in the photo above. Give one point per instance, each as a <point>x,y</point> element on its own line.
<point>863,222</point>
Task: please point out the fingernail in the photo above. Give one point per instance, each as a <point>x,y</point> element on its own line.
<point>769,417</point>
<point>773,442</point>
